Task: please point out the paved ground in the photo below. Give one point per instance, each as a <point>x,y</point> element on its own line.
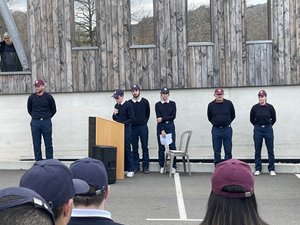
<point>152,199</point>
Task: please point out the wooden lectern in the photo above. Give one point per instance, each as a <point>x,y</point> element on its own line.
<point>110,133</point>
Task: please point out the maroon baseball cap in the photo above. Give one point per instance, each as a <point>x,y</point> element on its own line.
<point>262,93</point>
<point>38,83</point>
<point>219,91</point>
<point>233,172</point>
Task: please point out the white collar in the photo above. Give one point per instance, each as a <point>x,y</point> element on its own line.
<point>123,102</point>
<point>136,99</point>
<point>90,213</point>
<point>165,102</point>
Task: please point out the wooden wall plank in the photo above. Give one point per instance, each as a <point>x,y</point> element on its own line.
<point>121,47</point>
<point>151,66</point>
<point>287,42</point>
<point>281,77</point>
<point>210,67</point>
<point>139,70</point>
<point>126,40</point>
<point>68,46</point>
<point>204,66</point>
<point>191,67</point>
<point>101,13</point>
<point>297,17</point>
<point>115,45</point>
<point>293,38</point>
<point>174,45</point>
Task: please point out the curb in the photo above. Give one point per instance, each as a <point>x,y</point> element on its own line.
<point>154,166</point>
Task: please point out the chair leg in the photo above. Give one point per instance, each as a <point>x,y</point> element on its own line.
<point>171,165</point>
<point>188,162</point>
<point>184,166</point>
<point>165,163</point>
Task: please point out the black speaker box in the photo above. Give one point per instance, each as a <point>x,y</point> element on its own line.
<point>108,155</point>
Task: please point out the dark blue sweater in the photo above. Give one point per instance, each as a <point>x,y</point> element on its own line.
<point>41,106</point>
<point>125,114</point>
<point>141,111</point>
<point>91,221</point>
<point>262,114</point>
<point>220,114</point>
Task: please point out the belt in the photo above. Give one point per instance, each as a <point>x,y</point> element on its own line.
<point>225,126</point>
<point>169,121</point>
<point>263,125</point>
<point>41,118</point>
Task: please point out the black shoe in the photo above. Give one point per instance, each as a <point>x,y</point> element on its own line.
<point>136,170</point>
<point>146,170</point>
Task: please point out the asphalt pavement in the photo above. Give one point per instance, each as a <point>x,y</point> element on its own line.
<point>156,199</point>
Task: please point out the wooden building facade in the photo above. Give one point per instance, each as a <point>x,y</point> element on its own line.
<point>227,61</point>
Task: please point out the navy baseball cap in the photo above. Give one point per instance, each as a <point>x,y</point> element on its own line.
<point>164,90</point>
<point>118,93</point>
<point>38,83</point>
<point>53,181</point>
<point>93,172</point>
<point>233,172</point>
<point>135,87</point>
<point>24,196</point>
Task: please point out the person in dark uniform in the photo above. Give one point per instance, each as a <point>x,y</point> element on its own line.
<point>123,113</point>
<point>89,207</point>
<point>9,57</point>
<point>41,107</point>
<point>139,128</point>
<point>263,117</point>
<point>221,113</point>
<point>165,111</point>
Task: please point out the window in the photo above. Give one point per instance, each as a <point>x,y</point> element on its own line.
<point>19,37</point>
<point>142,24</point>
<point>199,21</point>
<point>85,22</point>
<point>257,20</point>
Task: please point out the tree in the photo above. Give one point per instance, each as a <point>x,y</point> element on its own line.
<point>85,22</point>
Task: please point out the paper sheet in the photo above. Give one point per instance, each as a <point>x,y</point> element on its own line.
<point>166,140</point>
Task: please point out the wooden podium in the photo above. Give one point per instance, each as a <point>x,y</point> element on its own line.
<point>109,133</point>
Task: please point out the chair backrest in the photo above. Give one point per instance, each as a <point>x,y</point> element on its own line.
<point>185,140</point>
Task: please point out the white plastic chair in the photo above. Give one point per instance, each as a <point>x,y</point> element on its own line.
<point>182,151</point>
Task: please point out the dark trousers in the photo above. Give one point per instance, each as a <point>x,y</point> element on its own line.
<point>222,136</point>
<point>169,128</point>
<point>260,133</point>
<point>140,132</point>
<point>41,128</point>
<point>127,148</point>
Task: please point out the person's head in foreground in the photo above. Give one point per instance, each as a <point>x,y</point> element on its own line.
<point>22,206</point>
<point>232,200</point>
<point>54,182</point>
<point>94,173</point>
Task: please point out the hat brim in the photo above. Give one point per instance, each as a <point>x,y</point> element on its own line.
<point>81,187</point>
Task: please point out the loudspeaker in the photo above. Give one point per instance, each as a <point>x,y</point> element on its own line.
<point>108,155</point>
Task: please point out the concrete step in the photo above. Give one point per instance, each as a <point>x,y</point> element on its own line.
<point>154,166</point>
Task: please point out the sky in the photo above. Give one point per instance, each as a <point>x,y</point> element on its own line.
<point>147,5</point>
<point>20,5</point>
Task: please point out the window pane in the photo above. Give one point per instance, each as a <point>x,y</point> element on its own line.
<point>142,25</point>
<point>257,20</point>
<point>199,21</point>
<point>85,22</point>
<point>9,58</point>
